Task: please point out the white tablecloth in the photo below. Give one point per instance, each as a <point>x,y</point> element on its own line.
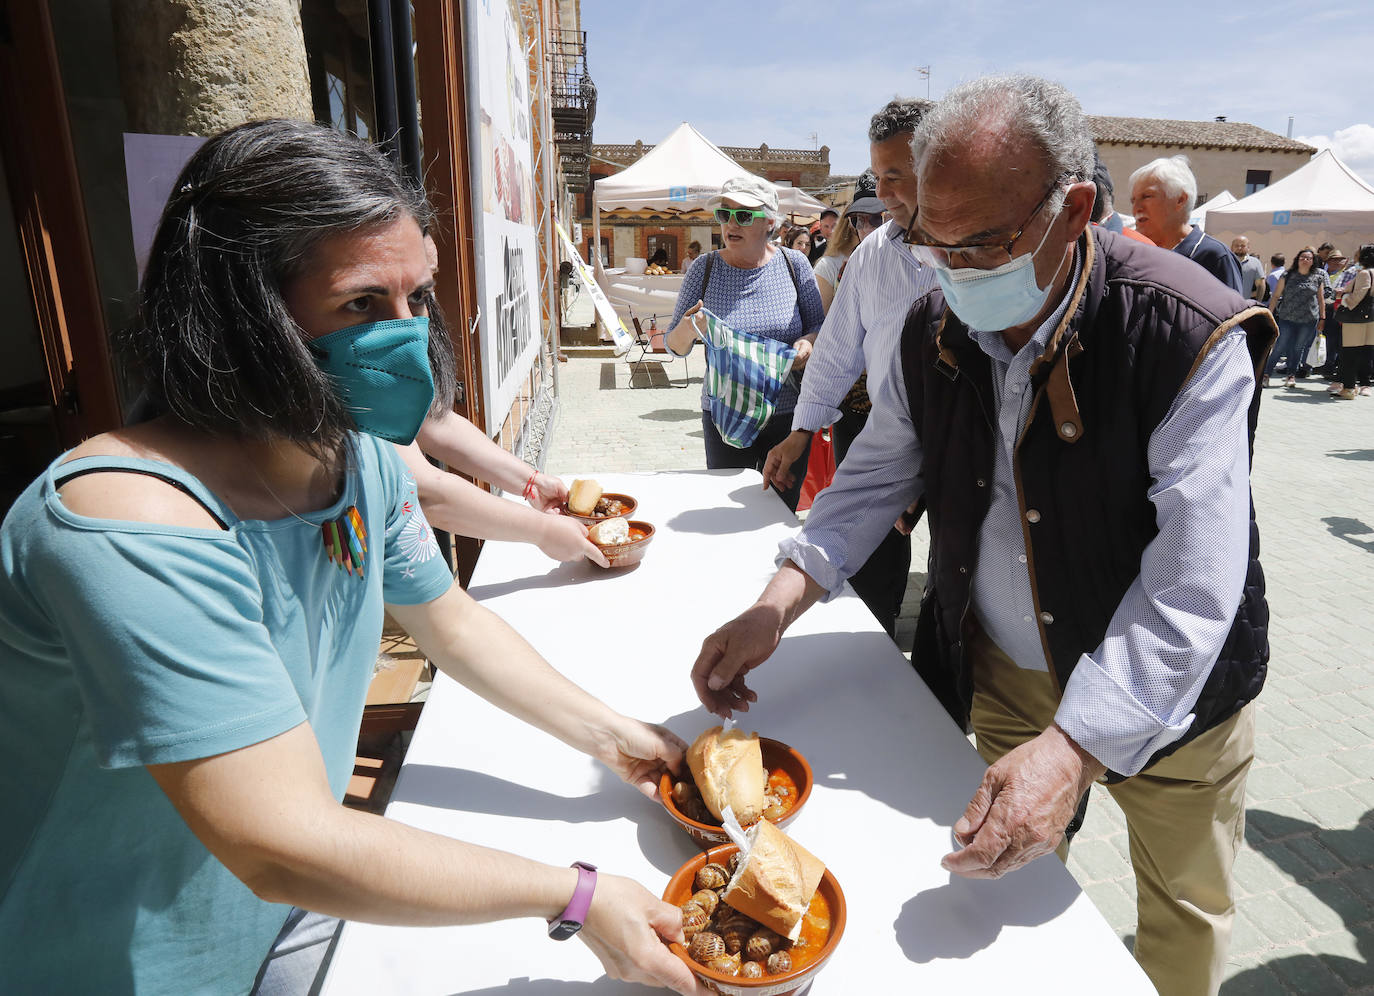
<point>892,775</point>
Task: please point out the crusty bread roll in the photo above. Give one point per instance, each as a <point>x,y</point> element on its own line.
<point>728,770</point>
<point>583,495</point>
<point>776,883</point>
<point>610,532</point>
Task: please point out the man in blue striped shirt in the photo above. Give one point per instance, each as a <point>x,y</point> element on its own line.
<point>1078,420</point>
<point>861,333</point>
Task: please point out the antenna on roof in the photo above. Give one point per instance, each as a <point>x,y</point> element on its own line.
<point>1221,117</point>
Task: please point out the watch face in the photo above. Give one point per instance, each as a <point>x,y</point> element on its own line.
<point>564,929</point>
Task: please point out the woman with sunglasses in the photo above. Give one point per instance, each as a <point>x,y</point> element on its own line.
<point>761,290</point>
<point>190,610</point>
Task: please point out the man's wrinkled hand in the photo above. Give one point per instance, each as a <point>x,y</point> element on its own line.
<point>1022,806</point>
<point>777,466</point>
<point>730,653</point>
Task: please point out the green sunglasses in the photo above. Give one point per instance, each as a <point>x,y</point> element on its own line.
<point>742,216</point>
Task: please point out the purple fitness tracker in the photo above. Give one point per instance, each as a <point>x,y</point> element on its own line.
<point>570,920</point>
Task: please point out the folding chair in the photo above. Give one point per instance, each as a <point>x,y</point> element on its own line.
<point>653,349</point>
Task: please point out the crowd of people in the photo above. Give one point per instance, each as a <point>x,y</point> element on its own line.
<point>1071,408</point>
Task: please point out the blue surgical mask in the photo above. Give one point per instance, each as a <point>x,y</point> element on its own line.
<point>997,299</point>
<point>382,373</point>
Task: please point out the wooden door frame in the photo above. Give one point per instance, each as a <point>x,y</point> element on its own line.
<point>50,214</point>
<point>441,82</point>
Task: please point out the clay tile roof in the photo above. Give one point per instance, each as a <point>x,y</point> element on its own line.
<point>1199,134</point>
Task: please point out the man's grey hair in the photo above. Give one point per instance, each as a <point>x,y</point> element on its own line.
<point>1174,176</point>
<point>899,117</point>
<point>1043,113</point>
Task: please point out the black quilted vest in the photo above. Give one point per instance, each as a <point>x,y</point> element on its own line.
<point>1138,325</point>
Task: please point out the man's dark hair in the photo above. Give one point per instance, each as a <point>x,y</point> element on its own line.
<point>830,211</point>
<point>899,117</point>
<point>1278,259</point>
<point>1325,247</point>
<point>1365,256</point>
<point>1102,180</point>
<point>212,340</point>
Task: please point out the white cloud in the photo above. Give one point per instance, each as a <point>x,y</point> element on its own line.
<point>1354,146</point>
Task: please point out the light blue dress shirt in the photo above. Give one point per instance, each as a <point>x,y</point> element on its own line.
<point>1133,694</point>
<point>863,328</point>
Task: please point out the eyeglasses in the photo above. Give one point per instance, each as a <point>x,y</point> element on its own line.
<point>979,255</point>
<point>742,216</point>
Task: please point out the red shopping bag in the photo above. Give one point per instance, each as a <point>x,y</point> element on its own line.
<point>820,469</point>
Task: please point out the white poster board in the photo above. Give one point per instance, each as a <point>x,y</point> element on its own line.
<point>507,241</point>
<point>620,335</point>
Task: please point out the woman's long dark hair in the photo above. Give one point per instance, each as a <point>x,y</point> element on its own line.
<point>1293,270</point>
<point>212,338</point>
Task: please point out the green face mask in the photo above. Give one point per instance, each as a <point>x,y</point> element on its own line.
<point>381,371</point>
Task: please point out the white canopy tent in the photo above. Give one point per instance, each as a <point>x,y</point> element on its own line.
<point>1199,215</point>
<point>1324,201</point>
<point>678,175</point>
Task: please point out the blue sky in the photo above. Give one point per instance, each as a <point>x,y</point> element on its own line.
<point>748,72</point>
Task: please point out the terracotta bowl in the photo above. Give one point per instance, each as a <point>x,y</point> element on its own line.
<point>627,554</point>
<point>679,890</point>
<point>775,755</point>
<point>590,520</point>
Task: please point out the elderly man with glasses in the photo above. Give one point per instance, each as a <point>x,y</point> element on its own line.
<point>861,331</point>
<point>1076,412</point>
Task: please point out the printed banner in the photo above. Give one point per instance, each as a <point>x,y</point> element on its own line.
<point>620,335</point>
<point>507,240</point>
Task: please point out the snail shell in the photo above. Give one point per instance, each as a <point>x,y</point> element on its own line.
<point>751,970</point>
<point>733,863</point>
<point>779,962</point>
<point>735,935</point>
<point>711,876</point>
<point>694,919</point>
<point>707,900</point>
<point>706,946</point>
<point>683,793</point>
<point>726,964</point>
<point>774,812</point>
<point>761,945</point>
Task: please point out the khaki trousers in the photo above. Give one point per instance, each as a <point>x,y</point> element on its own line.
<point>1185,816</point>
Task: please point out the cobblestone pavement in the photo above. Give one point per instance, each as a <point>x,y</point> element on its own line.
<point>1305,877</point>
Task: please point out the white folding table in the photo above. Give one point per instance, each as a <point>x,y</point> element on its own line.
<point>892,775</point>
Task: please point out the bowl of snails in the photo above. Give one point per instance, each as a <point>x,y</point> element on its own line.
<point>788,786</point>
<point>735,955</point>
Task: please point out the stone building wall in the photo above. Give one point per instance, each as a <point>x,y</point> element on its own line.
<point>1215,169</point>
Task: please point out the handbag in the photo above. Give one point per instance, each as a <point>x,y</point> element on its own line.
<point>744,377</point>
<point>1362,312</point>
<point>820,468</point>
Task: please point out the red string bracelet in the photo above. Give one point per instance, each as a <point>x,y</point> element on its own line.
<point>528,493</point>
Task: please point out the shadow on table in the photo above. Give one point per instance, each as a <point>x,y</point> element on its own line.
<point>1351,454</point>
<point>526,986</point>
<point>1265,831</point>
<point>719,520</point>
<point>562,575</point>
<point>963,917</point>
<point>1347,529</point>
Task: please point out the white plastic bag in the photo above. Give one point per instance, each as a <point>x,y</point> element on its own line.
<point>1316,356</point>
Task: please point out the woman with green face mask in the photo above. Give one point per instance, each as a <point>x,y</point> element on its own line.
<point>190,612</point>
